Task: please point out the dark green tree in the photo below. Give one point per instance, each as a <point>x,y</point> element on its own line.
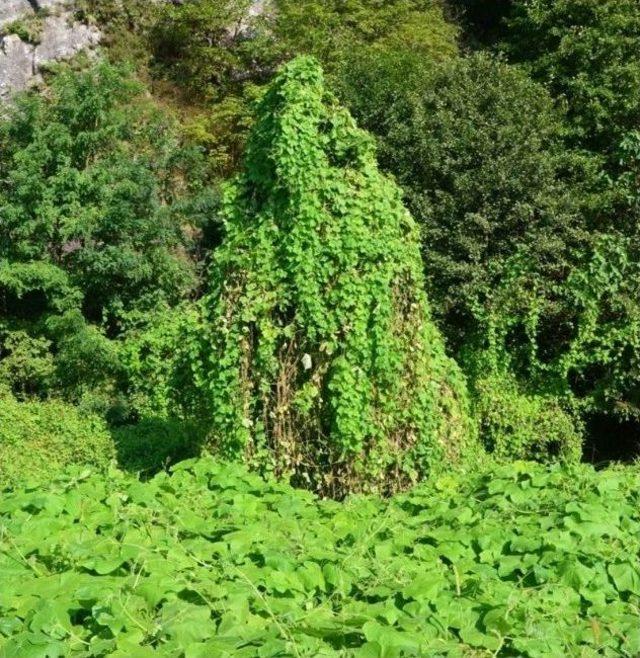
<point>586,53</point>
<point>323,363</point>
<point>95,221</point>
<point>90,175</point>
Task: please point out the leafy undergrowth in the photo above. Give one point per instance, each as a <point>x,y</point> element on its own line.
<point>520,560</point>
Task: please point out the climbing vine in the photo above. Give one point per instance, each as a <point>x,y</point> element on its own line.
<point>538,372</point>
<point>323,361</point>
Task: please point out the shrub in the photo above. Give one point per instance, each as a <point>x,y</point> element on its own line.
<point>38,438</point>
<point>156,443</point>
<point>323,361</point>
<point>517,425</point>
<point>601,362</point>
<point>159,369</point>
<point>589,349</point>
<point>26,364</point>
<point>577,354</point>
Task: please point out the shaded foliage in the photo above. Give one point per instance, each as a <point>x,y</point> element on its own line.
<point>478,150</point>
<point>213,47</point>
<point>592,354</point>
<point>161,360</point>
<point>217,47</point>
<point>521,170</point>
<point>154,444</point>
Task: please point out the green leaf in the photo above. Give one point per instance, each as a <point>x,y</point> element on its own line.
<point>626,577</point>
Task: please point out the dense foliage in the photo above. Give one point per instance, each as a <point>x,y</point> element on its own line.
<point>201,251</point>
<point>519,560</point>
<point>586,52</point>
<point>479,150</point>
<point>216,47</point>
<point>324,362</point>
<point>39,438</point>
<point>477,147</point>
<point>520,168</point>
<point>497,170</point>
<point>161,361</point>
<point>519,419</point>
<point>587,353</point>
<point>98,225</point>
<point>214,56</point>
<point>74,198</point>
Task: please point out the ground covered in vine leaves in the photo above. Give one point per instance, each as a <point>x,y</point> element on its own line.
<point>520,560</point>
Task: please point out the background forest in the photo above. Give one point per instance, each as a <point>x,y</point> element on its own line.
<point>511,129</point>
<point>352,245</point>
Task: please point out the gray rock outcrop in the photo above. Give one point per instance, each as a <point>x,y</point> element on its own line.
<point>60,38</point>
<point>11,10</point>
<point>47,4</point>
<point>16,65</point>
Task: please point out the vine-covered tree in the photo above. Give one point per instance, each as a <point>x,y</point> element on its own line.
<point>324,363</point>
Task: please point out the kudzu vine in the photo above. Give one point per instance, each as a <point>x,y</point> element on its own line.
<point>323,362</point>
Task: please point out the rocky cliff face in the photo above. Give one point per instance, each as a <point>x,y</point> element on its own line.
<point>12,10</point>
<point>60,37</point>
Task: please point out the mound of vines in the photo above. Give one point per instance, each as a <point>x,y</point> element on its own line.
<point>323,363</point>
<point>520,560</point>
